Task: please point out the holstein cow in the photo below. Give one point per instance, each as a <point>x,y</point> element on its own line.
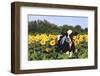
<point>66,43</point>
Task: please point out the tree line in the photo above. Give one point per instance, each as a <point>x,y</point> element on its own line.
<point>44,26</point>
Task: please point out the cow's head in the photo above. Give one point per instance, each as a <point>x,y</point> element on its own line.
<point>70,35</point>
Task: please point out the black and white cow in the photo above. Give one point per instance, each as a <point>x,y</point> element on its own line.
<point>66,43</point>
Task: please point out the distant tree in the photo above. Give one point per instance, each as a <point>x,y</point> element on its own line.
<point>64,28</point>
<point>44,26</point>
<point>78,27</point>
<point>86,30</point>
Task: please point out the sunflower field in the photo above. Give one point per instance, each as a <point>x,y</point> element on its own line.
<point>44,47</point>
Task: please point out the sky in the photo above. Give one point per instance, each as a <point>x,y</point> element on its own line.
<point>61,20</point>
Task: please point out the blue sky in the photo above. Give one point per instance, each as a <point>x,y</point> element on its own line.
<point>61,20</point>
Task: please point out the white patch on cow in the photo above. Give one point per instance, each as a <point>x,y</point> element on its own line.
<point>69,32</point>
<point>58,37</point>
<point>70,44</point>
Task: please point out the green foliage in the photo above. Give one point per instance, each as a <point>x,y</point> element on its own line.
<point>37,52</point>
<point>39,26</point>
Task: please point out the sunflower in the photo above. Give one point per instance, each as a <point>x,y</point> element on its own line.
<point>52,43</point>
<point>86,39</point>
<point>76,42</point>
<point>42,42</point>
<point>30,39</point>
<point>81,38</point>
